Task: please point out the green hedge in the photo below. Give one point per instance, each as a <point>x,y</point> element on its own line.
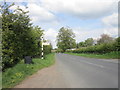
<point>102,48</point>
<point>47,49</point>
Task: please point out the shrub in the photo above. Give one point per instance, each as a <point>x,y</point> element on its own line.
<point>47,49</point>
<point>101,48</point>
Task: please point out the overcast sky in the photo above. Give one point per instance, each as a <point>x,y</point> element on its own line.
<point>87,18</point>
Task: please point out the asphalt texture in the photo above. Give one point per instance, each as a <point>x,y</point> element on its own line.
<point>71,71</point>
<point>81,72</point>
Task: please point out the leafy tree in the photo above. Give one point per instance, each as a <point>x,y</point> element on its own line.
<point>89,42</point>
<point>19,38</point>
<point>36,34</point>
<point>65,39</point>
<point>117,44</point>
<point>105,39</point>
<point>86,43</point>
<point>81,44</point>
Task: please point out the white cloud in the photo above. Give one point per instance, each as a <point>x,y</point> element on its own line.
<point>22,0</point>
<point>50,35</point>
<point>111,24</point>
<point>83,33</point>
<point>36,12</point>
<point>20,6</point>
<point>85,9</point>
<point>82,8</point>
<point>18,0</point>
<point>39,13</point>
<point>111,31</point>
<point>42,11</point>
<point>111,20</point>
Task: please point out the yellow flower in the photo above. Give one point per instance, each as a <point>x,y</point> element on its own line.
<point>13,81</point>
<point>19,74</point>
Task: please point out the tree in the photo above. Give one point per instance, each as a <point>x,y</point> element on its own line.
<point>65,39</point>
<point>117,44</point>
<point>81,44</point>
<point>86,43</point>
<point>19,38</point>
<point>89,42</point>
<point>105,39</point>
<point>36,34</point>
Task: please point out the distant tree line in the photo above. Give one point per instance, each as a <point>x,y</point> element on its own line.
<point>86,43</point>
<point>90,41</point>
<point>19,37</point>
<point>104,44</point>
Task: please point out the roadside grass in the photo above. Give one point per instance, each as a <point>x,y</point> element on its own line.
<point>111,55</point>
<point>0,80</point>
<point>18,73</point>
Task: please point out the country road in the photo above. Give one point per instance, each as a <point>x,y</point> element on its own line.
<point>75,72</point>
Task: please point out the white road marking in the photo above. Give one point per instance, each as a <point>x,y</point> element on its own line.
<point>113,61</point>
<point>94,64</point>
<point>91,63</point>
<point>109,60</point>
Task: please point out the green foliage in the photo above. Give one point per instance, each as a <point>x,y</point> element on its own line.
<point>117,44</point>
<point>19,37</point>
<point>36,35</point>
<point>0,80</point>
<point>16,74</point>
<point>86,43</point>
<point>47,49</point>
<point>89,42</point>
<point>81,44</point>
<point>100,48</point>
<point>59,50</point>
<point>65,39</point>
<point>0,53</point>
<point>111,55</point>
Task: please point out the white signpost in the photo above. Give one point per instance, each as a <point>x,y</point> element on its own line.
<point>42,47</point>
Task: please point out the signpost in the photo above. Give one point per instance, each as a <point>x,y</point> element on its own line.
<point>43,43</point>
<point>42,49</point>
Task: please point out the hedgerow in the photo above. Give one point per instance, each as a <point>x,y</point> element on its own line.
<point>101,48</point>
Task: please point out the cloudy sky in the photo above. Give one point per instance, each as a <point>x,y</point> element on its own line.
<point>87,18</point>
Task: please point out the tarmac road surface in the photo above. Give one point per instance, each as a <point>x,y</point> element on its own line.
<point>75,72</point>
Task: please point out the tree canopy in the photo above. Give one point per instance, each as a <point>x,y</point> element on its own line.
<point>19,37</point>
<point>86,43</point>
<point>65,39</point>
<point>105,38</point>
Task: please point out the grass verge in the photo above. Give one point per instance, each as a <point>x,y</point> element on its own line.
<point>111,55</point>
<point>0,80</point>
<point>16,74</point>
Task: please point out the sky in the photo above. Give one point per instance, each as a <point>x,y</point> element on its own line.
<point>87,18</point>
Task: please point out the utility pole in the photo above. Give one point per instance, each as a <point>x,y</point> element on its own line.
<point>42,48</point>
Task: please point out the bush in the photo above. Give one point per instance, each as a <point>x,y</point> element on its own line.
<point>102,48</point>
<point>47,49</point>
